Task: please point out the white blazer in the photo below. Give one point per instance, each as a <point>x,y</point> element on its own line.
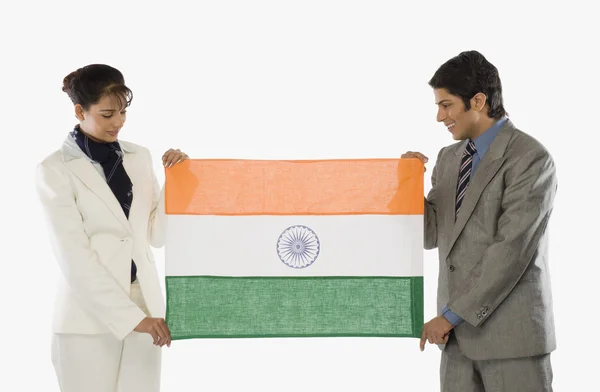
<point>94,242</point>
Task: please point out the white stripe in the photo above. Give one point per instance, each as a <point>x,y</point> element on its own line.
<point>466,163</point>
<point>464,177</point>
<point>350,245</point>
<point>462,192</point>
<point>114,169</point>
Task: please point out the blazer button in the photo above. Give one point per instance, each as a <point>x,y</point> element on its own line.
<point>451,268</point>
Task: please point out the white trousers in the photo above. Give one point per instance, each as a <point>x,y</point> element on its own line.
<point>101,363</point>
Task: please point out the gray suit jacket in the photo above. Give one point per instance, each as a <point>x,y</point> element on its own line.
<point>494,256</point>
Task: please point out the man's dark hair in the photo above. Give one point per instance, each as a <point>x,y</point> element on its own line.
<point>470,73</point>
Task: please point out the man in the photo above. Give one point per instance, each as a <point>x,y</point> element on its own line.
<point>487,213</point>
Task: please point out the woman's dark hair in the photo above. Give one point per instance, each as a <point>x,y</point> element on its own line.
<point>470,73</point>
<point>89,84</point>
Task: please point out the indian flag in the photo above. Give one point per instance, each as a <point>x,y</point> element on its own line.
<point>294,248</point>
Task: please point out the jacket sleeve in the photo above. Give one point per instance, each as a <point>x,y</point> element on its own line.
<point>93,286</point>
<point>430,224</point>
<point>157,224</point>
<point>527,205</point>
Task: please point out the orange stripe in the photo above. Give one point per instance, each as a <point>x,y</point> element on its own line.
<point>324,187</point>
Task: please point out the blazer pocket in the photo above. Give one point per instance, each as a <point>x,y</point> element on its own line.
<point>492,196</point>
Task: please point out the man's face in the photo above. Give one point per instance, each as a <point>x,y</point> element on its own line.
<point>451,111</point>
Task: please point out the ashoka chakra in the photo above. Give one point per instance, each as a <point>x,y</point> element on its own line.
<point>298,246</point>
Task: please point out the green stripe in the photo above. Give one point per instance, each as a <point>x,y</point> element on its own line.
<point>260,307</point>
<point>247,307</point>
<point>417,305</point>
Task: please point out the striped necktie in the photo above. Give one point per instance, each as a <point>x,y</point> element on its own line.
<point>464,175</point>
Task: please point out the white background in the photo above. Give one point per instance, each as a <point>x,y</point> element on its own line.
<point>295,80</point>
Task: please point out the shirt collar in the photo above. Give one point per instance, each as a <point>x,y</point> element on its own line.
<point>483,141</point>
<point>72,151</point>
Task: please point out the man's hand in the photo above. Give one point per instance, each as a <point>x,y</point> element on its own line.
<point>157,328</point>
<point>418,155</point>
<point>436,331</point>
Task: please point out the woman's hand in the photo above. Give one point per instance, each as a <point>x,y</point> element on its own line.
<point>171,157</point>
<point>157,328</point>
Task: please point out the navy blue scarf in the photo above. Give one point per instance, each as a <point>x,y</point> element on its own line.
<point>110,157</point>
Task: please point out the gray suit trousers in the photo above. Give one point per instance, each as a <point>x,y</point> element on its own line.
<point>461,374</point>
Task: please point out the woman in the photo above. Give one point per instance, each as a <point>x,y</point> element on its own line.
<point>105,208</point>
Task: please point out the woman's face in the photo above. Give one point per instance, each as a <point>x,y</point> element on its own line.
<point>103,120</point>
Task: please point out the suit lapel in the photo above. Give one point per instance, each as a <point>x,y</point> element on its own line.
<point>85,171</point>
<point>488,168</point>
<point>450,195</point>
<point>132,169</point>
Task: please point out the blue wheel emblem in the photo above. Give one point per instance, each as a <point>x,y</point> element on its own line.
<point>298,246</point>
